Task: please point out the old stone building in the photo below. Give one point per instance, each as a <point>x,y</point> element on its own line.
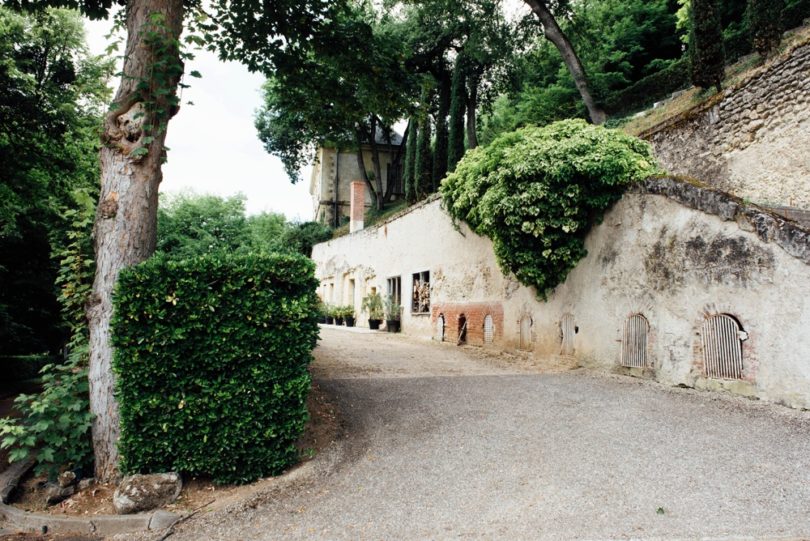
<point>703,283</point>
<point>334,170</point>
<point>681,283</point>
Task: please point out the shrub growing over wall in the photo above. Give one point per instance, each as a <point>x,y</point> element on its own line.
<point>211,356</point>
<point>536,192</point>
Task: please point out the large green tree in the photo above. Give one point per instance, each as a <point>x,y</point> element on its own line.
<point>706,44</point>
<point>346,92</point>
<point>51,100</point>
<point>264,36</point>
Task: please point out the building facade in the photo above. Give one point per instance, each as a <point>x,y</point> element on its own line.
<point>682,284</point>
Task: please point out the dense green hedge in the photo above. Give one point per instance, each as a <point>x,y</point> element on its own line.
<point>536,192</point>
<point>211,356</point>
<point>654,87</point>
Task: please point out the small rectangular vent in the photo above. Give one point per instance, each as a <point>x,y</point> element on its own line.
<point>634,342</point>
<point>722,348</point>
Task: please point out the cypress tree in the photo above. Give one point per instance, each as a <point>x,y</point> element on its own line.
<point>440,148</point>
<point>410,161</point>
<point>458,98</point>
<point>765,21</point>
<point>706,44</point>
<point>423,176</point>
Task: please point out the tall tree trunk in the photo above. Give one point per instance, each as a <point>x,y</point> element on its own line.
<point>472,105</point>
<point>125,230</point>
<point>361,165</point>
<point>375,162</point>
<point>555,35</point>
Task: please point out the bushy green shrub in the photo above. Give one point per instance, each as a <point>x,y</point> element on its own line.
<point>211,356</point>
<point>536,192</point>
<point>656,86</point>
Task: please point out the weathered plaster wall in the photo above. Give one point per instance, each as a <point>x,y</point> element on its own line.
<point>673,252</point>
<point>752,140</point>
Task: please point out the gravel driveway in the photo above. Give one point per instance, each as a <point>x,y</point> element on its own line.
<point>454,443</point>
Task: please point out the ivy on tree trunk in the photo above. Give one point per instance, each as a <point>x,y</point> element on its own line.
<point>125,230</point>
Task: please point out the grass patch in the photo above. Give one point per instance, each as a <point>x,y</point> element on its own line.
<point>693,97</point>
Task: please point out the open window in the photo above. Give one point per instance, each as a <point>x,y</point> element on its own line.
<point>420,298</point>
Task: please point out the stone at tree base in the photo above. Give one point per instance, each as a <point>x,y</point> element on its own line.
<point>66,478</point>
<point>86,483</point>
<point>55,493</point>
<point>139,492</point>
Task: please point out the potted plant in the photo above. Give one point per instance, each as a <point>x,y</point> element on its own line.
<point>337,312</point>
<point>330,314</point>
<point>348,315</point>
<point>323,312</point>
<point>373,304</point>
<point>393,313</point>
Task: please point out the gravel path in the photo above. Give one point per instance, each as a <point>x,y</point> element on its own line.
<point>469,445</point>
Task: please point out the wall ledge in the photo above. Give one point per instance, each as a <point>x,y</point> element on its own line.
<point>769,226</point>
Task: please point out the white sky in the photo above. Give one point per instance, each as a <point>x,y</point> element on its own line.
<point>213,145</point>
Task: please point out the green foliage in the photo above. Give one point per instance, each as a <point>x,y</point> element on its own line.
<point>765,17</point>
<point>190,224</point>
<point>393,310</point>
<point>537,191</point>
<point>211,357</point>
<point>51,101</point>
<point>55,427</point>
<point>373,305</point>
<point>458,98</point>
<point>423,174</point>
<point>706,44</point>
<point>440,145</point>
<point>675,75</point>
<point>410,160</point>
<point>17,368</point>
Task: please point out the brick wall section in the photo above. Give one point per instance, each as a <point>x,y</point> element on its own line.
<point>475,312</point>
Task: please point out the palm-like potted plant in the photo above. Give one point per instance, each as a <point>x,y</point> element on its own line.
<point>373,304</point>
<point>330,314</point>
<point>337,311</point>
<point>393,313</point>
<point>348,315</point>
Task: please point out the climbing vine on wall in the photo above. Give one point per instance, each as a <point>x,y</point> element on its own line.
<point>536,192</point>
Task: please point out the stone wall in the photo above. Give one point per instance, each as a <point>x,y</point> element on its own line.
<point>752,139</point>
<point>672,252</point>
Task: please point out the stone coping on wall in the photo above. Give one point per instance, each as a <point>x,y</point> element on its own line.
<point>726,93</point>
<point>769,226</point>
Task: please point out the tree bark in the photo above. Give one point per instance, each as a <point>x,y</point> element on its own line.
<point>125,230</point>
<point>375,161</point>
<point>472,105</point>
<point>361,165</point>
<point>555,35</point>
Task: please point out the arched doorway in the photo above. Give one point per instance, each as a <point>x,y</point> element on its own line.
<point>462,330</point>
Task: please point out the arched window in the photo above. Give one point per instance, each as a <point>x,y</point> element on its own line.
<point>722,347</point>
<point>462,330</point>
<point>489,329</point>
<point>634,341</point>
<point>526,333</point>
<point>568,331</point>
<point>440,326</point>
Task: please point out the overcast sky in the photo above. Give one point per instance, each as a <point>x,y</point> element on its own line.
<point>213,144</point>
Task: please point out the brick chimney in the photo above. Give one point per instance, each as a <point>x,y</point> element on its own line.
<point>357,201</point>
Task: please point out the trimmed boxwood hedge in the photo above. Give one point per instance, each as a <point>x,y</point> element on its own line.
<point>211,357</point>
